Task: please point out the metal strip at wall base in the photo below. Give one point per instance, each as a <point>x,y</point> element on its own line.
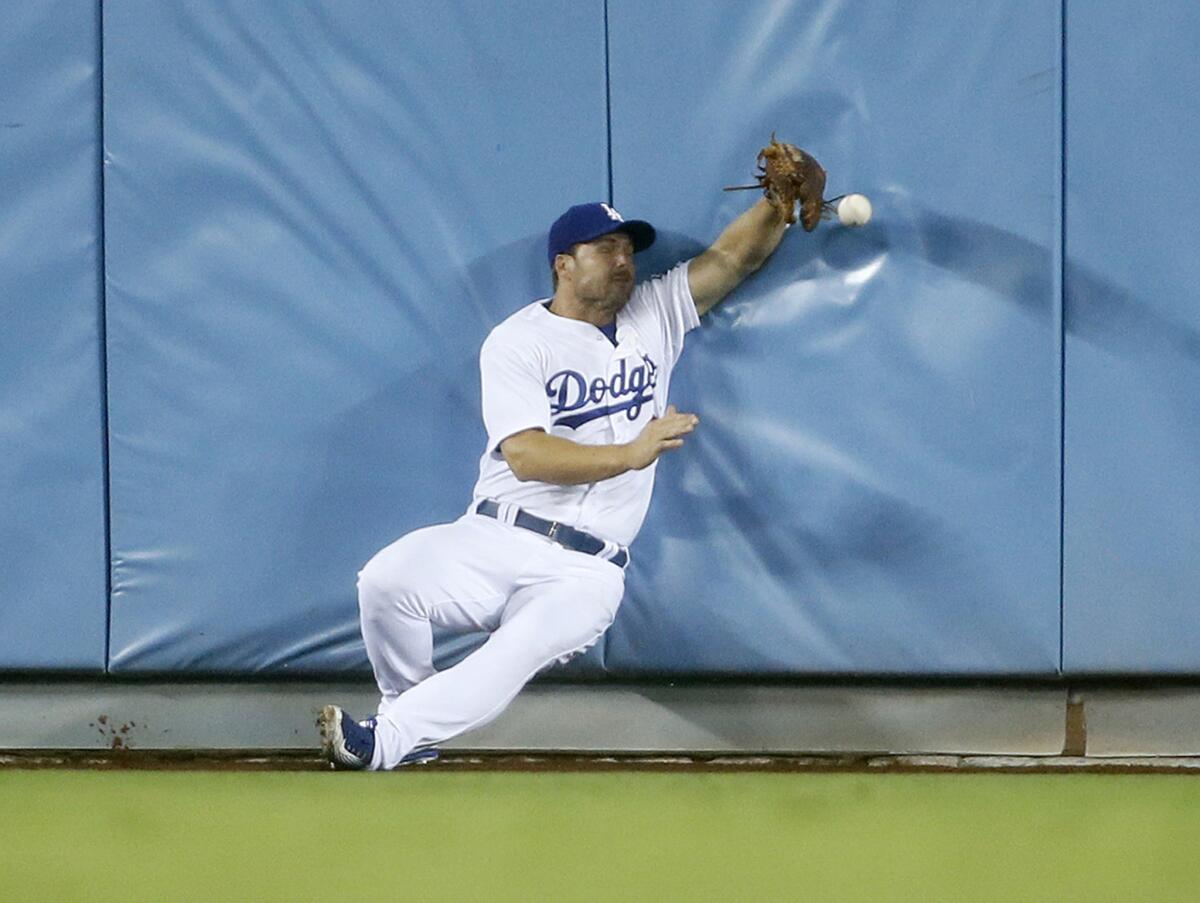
<point>572,718</point>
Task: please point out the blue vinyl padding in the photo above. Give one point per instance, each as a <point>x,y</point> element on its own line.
<point>1132,451</point>
<point>311,228</point>
<point>53,597</point>
<point>874,485</point>
<point>311,225</point>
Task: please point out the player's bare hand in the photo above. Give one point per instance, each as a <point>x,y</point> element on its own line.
<point>659,435</point>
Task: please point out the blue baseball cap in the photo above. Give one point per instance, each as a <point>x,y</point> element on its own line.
<point>587,222</point>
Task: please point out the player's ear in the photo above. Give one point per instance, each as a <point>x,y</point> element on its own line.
<point>560,266</point>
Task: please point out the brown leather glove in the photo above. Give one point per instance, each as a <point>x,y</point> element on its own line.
<point>788,174</point>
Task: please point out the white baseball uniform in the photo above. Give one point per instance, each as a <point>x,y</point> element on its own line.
<point>541,602</point>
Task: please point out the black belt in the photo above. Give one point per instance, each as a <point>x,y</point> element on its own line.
<point>566,536</point>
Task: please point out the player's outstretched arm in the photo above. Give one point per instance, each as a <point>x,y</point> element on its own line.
<point>536,455</point>
<point>741,249</point>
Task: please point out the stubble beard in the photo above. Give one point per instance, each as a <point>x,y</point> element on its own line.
<point>614,299</point>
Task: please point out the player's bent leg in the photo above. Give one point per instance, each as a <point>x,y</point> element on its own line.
<point>549,622</point>
<point>397,635</point>
<point>395,628</point>
<point>434,575</point>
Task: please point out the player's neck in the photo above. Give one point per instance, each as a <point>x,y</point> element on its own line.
<point>565,304</point>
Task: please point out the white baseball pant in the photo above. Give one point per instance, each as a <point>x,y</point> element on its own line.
<point>541,602</point>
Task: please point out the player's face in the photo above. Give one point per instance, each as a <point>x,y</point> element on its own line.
<point>603,273</point>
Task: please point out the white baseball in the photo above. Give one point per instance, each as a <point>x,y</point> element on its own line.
<point>854,210</point>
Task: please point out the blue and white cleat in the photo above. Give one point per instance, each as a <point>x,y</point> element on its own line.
<point>421,756</point>
<point>347,744</point>
<point>417,757</point>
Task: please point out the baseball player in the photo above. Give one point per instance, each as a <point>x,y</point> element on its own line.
<point>575,405</point>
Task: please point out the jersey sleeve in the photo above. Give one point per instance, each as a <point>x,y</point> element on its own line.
<point>667,300</point>
<point>514,391</point>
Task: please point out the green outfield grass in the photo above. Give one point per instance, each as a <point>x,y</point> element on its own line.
<point>422,836</point>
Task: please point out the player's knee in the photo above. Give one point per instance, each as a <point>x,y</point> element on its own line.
<point>381,590</point>
<point>577,627</point>
<point>602,612</point>
<point>385,588</point>
<point>373,595</point>
<point>602,607</point>
<point>588,637</point>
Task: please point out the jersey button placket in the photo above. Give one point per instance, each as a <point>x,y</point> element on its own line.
<point>618,421</point>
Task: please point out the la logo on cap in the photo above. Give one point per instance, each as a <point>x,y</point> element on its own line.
<point>587,222</point>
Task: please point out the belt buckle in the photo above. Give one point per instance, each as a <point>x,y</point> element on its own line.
<point>553,531</point>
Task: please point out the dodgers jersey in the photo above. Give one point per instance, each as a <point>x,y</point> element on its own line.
<point>544,371</point>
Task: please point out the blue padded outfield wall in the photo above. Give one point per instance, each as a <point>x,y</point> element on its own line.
<point>53,596</point>
<point>874,486</point>
<point>313,226</point>
<point>1132,549</point>
<point>312,216</point>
